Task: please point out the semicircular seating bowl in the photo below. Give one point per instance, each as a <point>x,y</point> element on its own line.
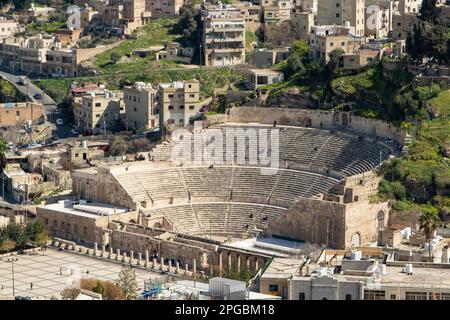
<point>237,199</point>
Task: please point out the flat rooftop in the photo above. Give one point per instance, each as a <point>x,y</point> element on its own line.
<point>282,268</point>
<point>87,210</point>
<point>270,246</point>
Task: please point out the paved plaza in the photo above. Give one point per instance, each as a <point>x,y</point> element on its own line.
<point>51,271</point>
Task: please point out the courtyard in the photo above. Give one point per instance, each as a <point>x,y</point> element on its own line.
<point>51,271</point>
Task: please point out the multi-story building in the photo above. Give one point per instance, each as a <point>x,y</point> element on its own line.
<point>378,18</point>
<point>407,6</point>
<point>276,11</point>
<point>223,36</point>
<point>178,101</point>
<point>141,106</point>
<point>325,39</point>
<point>8,27</point>
<point>17,113</point>
<point>125,16</point>
<point>342,13</point>
<point>308,6</point>
<point>402,24</point>
<point>67,37</point>
<point>159,8</point>
<point>100,112</point>
<point>38,55</point>
<point>303,22</point>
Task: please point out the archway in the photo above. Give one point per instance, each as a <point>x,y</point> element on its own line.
<point>356,240</point>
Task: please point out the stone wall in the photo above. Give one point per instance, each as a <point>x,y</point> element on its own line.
<point>313,118</point>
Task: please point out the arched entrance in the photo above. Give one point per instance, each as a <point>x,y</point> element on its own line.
<point>356,240</point>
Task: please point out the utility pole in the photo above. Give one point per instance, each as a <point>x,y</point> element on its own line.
<point>12,260</point>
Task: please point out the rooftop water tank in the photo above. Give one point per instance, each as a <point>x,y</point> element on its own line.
<point>409,269</point>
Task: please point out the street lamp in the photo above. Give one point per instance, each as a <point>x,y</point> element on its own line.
<point>12,260</point>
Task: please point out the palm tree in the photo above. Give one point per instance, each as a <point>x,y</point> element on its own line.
<point>429,221</point>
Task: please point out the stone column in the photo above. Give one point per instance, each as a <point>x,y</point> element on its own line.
<point>103,250</point>
<point>247,262</point>
<point>170,266</point>
<point>444,257</point>
<point>124,257</point>
<point>256,263</point>
<point>220,264</point>
<point>162,263</point>
<point>229,260</point>
<point>178,267</point>
<point>186,268</point>
<point>131,257</point>
<point>139,258</point>
<point>194,267</point>
<point>95,248</point>
<point>111,251</point>
<point>146,258</point>
<point>239,262</point>
<point>154,263</point>
<point>117,254</point>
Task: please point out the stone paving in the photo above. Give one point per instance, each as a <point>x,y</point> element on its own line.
<point>51,271</point>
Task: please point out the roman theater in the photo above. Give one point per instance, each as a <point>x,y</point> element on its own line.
<point>212,217</point>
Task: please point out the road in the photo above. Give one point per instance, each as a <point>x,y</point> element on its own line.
<point>50,108</point>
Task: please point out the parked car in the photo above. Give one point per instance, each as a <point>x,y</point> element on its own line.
<point>38,96</point>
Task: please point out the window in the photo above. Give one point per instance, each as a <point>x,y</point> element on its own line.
<point>348,297</point>
<point>192,95</point>
<point>273,287</point>
<point>191,107</point>
<point>337,15</point>
<point>415,295</point>
<point>301,296</point>
<point>181,107</point>
<point>170,95</point>
<point>170,107</point>
<point>392,296</point>
<point>17,113</point>
<point>374,295</point>
<point>97,116</point>
<point>98,104</point>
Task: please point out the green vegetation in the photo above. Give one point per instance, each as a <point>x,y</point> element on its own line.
<point>15,236</point>
<point>127,282</point>
<point>157,33</point>
<point>9,93</point>
<point>250,37</point>
<point>108,289</point>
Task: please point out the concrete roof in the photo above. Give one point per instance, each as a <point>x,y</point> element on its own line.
<point>87,210</point>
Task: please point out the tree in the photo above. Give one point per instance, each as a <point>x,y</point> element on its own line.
<point>335,59</point>
<point>101,289</point>
<point>70,293</point>
<point>428,10</point>
<point>115,57</point>
<point>7,91</point>
<point>3,146</point>
<point>299,56</point>
<point>127,282</point>
<point>36,233</point>
<point>8,245</point>
<point>429,221</point>
<point>113,291</point>
<point>119,146</point>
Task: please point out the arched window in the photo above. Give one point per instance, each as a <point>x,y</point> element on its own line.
<point>356,240</point>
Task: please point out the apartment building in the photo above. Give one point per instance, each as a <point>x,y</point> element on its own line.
<point>160,8</point>
<point>276,11</point>
<point>8,27</point>
<point>100,112</point>
<point>402,24</point>
<point>223,35</point>
<point>325,39</point>
<point>308,6</point>
<point>67,37</point>
<point>304,23</point>
<point>407,6</point>
<point>141,109</point>
<point>378,18</point>
<point>123,17</point>
<point>38,55</point>
<point>12,114</point>
<point>178,101</point>
<point>342,13</point>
